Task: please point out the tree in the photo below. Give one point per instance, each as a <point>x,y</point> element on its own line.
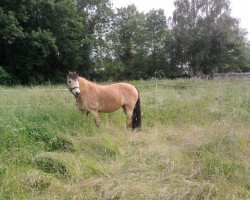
<point>127,38</point>
<point>205,34</point>
<point>41,39</point>
<point>156,34</point>
<point>97,16</point>
<point>138,42</point>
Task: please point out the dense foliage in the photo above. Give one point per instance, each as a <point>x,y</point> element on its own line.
<point>41,39</point>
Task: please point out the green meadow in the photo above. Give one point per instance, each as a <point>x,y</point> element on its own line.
<point>194,144</point>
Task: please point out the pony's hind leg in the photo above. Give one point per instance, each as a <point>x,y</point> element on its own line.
<point>124,109</point>
<point>129,113</point>
<point>96,117</point>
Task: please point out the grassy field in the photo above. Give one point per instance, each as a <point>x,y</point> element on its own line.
<point>194,144</point>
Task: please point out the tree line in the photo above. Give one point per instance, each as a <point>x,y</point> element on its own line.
<point>40,40</point>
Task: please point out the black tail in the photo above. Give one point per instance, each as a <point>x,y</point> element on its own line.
<point>136,118</point>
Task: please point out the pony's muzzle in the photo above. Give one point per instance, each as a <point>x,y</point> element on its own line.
<point>77,94</point>
<point>75,91</point>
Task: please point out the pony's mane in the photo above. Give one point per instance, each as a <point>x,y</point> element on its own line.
<point>73,75</point>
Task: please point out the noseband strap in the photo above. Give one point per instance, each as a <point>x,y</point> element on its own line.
<point>71,89</point>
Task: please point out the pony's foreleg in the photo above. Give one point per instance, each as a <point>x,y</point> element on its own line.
<point>84,112</point>
<point>96,117</point>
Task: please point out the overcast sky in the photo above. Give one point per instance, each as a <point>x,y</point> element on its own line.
<point>239,8</point>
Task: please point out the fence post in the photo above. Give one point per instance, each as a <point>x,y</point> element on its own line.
<point>156,88</point>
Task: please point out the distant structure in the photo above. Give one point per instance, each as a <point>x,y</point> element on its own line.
<point>232,76</point>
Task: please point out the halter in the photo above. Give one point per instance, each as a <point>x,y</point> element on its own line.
<point>71,89</point>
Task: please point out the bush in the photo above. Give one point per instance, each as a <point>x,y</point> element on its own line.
<point>4,77</point>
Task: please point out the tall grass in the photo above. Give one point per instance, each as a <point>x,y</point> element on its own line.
<point>194,144</point>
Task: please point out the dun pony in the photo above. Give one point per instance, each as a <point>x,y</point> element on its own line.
<point>93,98</point>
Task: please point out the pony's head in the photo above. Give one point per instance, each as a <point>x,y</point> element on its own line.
<point>73,83</point>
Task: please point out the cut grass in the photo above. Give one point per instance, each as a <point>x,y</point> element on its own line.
<point>195,144</point>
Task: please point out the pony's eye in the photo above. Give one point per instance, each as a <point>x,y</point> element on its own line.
<point>69,81</point>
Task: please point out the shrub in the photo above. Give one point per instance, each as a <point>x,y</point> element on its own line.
<point>4,77</point>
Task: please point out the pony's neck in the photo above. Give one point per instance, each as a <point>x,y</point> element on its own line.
<point>84,83</point>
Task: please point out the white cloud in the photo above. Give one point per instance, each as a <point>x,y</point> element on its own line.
<point>240,9</point>
<point>147,5</point>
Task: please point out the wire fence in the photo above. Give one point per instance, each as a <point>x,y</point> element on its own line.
<point>136,85</point>
<point>155,90</point>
